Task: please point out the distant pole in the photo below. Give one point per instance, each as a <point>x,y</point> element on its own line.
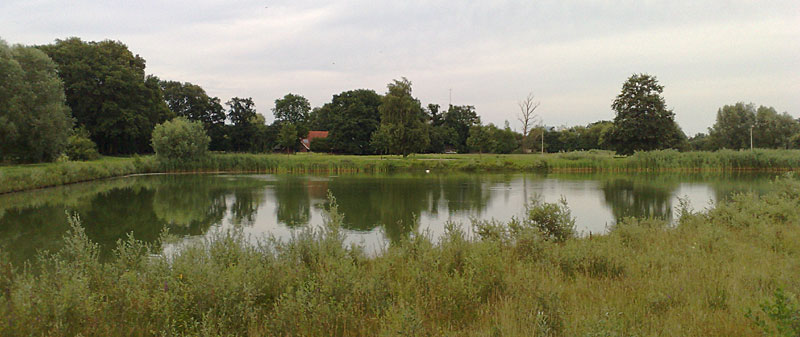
<point>542,140</point>
<point>751,138</point>
<point>450,101</point>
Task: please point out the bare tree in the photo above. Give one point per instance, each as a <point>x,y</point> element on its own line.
<point>527,116</point>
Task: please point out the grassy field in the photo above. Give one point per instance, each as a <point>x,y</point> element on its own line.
<point>727,271</point>
<point>23,177</point>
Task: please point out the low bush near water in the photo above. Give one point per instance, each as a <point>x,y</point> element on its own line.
<point>180,139</point>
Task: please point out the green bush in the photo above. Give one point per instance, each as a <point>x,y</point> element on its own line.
<point>320,145</point>
<point>553,220</point>
<point>80,147</point>
<point>783,316</point>
<point>180,139</point>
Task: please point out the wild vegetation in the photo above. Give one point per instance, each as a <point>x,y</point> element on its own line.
<point>728,270</point>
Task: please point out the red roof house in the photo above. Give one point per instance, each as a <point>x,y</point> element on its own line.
<point>306,142</point>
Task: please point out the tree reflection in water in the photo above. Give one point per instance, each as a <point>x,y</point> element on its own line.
<point>293,202</point>
<point>641,198</point>
<point>188,205</point>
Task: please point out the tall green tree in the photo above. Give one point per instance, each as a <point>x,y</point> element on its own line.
<point>351,117</point>
<point>773,130</point>
<point>191,101</point>
<point>480,139</point>
<point>294,109</point>
<point>731,130</point>
<point>402,130</point>
<point>701,142</point>
<point>34,119</point>
<point>643,122</point>
<point>265,136</point>
<point>242,114</point>
<point>597,135</point>
<point>109,93</point>
<point>287,138</point>
<point>441,136</point>
<point>460,118</point>
<point>505,140</point>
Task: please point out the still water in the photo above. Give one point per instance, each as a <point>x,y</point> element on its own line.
<point>378,209</point>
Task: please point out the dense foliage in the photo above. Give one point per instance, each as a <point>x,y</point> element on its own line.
<point>402,130</point>
<point>191,101</point>
<point>80,147</point>
<point>34,119</point>
<point>109,93</point>
<point>643,122</point>
<point>287,137</point>
<point>741,126</point>
<point>351,118</point>
<point>180,139</point>
<point>293,109</point>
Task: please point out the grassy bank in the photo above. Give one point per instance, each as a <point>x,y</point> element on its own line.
<point>728,271</point>
<point>23,177</point>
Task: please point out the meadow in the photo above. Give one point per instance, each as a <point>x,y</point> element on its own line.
<point>730,270</point>
<point>24,177</point>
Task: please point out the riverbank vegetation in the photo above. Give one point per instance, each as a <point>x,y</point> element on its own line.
<point>728,270</point>
<point>24,177</point>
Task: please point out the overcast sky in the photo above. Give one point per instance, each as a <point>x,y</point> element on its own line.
<point>573,55</point>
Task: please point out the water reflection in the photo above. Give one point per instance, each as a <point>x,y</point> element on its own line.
<point>639,197</point>
<point>382,208</point>
<point>293,200</point>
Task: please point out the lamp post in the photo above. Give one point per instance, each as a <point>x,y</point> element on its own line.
<point>542,140</point>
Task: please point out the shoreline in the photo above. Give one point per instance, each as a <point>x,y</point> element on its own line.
<point>30,177</point>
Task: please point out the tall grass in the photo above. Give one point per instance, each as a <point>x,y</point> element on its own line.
<point>25,177</point>
<point>718,272</point>
<point>16,178</point>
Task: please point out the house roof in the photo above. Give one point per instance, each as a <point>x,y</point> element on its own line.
<point>306,142</point>
<point>317,134</point>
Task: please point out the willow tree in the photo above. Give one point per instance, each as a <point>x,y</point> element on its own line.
<point>402,130</point>
<point>35,121</point>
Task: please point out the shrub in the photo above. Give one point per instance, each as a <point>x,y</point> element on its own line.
<point>553,220</point>
<point>180,139</point>
<point>783,315</point>
<point>80,147</point>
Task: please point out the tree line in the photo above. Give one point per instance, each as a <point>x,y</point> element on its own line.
<point>76,99</point>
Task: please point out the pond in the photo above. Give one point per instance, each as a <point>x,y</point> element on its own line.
<point>378,209</point>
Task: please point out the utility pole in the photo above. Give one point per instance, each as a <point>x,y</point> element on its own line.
<point>450,102</point>
<point>751,137</point>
